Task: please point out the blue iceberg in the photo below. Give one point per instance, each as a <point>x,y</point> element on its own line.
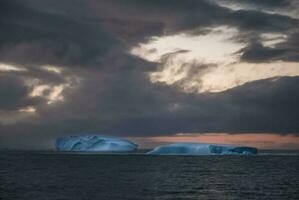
<point>94,143</point>
<point>202,149</point>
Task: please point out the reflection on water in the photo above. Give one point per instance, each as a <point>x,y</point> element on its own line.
<point>40,175</point>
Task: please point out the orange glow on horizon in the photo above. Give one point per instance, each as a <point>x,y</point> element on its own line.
<point>261,141</point>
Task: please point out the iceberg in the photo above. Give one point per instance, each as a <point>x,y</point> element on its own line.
<point>202,149</point>
<point>94,143</point>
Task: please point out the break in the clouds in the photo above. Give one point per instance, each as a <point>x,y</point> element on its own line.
<point>211,62</point>
<point>146,68</point>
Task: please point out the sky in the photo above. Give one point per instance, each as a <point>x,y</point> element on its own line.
<point>153,71</point>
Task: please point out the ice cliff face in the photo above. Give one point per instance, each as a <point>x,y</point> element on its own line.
<point>94,143</point>
<point>202,149</point>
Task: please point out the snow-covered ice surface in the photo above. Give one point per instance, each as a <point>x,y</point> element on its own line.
<point>94,143</point>
<point>202,149</point>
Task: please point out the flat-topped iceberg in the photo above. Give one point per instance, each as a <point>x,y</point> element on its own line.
<point>94,143</point>
<point>202,149</point>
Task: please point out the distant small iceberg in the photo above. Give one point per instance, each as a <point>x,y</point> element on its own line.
<point>202,149</point>
<point>94,143</point>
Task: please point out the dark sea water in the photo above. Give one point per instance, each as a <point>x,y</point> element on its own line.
<point>56,176</point>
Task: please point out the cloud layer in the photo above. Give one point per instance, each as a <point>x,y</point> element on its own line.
<point>68,68</point>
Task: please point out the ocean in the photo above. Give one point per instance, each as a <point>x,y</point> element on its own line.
<point>26,175</point>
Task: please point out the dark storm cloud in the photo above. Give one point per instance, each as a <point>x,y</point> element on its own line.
<point>286,51</point>
<point>14,94</point>
<point>29,36</point>
<point>268,3</point>
<point>262,4</point>
<point>169,17</point>
<point>34,32</point>
<point>265,106</point>
<point>261,22</point>
<point>175,16</point>
<point>256,52</point>
<point>149,110</point>
<point>91,39</point>
<point>252,23</point>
